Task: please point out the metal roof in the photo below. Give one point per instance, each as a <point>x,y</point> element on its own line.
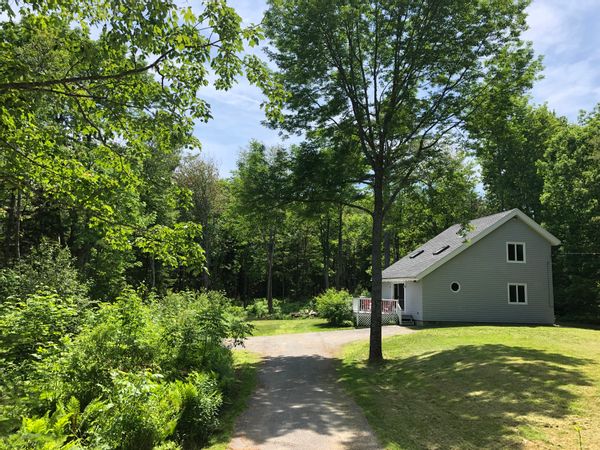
<point>426,262</point>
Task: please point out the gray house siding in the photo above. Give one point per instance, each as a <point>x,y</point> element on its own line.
<point>484,273</point>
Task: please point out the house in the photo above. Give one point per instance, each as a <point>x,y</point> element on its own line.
<point>501,271</point>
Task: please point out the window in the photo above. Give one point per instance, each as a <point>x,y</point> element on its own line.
<point>515,252</point>
<point>517,293</point>
<point>415,254</point>
<point>441,249</point>
<point>455,286</point>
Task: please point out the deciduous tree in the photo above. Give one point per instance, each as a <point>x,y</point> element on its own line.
<point>392,78</point>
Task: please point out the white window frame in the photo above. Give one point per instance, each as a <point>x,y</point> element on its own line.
<point>459,287</point>
<point>508,293</point>
<point>524,252</point>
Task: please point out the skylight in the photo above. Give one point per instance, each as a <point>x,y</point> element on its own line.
<point>415,254</point>
<point>441,249</point>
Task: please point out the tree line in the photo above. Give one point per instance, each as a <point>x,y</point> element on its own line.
<point>264,236</point>
<point>414,115</point>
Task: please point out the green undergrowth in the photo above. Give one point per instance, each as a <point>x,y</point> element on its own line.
<point>246,368</point>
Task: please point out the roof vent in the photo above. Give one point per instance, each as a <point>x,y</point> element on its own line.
<point>441,249</point>
<point>415,254</point>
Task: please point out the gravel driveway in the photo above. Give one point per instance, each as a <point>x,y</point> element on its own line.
<point>297,403</point>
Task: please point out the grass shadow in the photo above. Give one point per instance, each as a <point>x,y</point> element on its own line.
<point>580,325</point>
<point>471,396</point>
<point>434,325</point>
<point>326,326</point>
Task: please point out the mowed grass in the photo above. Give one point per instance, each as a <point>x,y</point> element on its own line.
<point>479,387</point>
<point>290,326</point>
<point>246,366</point>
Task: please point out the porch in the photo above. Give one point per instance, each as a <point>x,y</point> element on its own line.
<point>391,313</point>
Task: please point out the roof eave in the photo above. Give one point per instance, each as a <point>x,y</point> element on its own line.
<point>399,279</point>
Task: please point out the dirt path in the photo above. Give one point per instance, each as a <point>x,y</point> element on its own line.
<point>297,403</point>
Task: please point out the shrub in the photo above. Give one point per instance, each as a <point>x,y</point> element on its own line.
<point>33,330</point>
<point>193,329</point>
<point>139,413</point>
<point>259,309</point>
<point>39,321</point>
<point>335,306</point>
<point>200,404</point>
<point>48,432</point>
<point>49,268</point>
<point>139,374</point>
<point>122,337</point>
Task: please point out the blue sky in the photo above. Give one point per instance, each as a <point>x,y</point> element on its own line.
<point>566,32</point>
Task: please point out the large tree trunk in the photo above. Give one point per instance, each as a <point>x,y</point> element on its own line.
<point>326,247</point>
<point>270,251</point>
<point>375,352</point>
<point>243,280</point>
<point>18,226</point>
<point>152,271</point>
<point>206,243</point>
<point>386,248</point>
<point>12,237</point>
<point>340,250</point>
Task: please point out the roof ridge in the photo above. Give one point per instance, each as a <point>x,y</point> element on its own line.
<point>482,218</point>
<point>447,244</point>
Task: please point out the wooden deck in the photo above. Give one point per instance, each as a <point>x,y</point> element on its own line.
<point>391,312</point>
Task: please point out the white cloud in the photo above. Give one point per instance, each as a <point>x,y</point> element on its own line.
<point>565,33</point>
<point>243,94</point>
<point>571,87</point>
<point>557,25</point>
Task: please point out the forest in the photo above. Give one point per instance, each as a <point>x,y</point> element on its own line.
<point>127,260</point>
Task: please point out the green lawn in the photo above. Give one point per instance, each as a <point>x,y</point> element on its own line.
<point>478,387</point>
<point>246,365</point>
<point>289,326</point>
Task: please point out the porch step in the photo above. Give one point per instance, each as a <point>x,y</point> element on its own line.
<point>409,320</point>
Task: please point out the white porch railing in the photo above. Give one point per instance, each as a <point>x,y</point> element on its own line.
<point>390,311</point>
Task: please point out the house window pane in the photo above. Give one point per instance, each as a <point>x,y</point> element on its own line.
<point>511,252</point>
<point>521,291</point>
<point>512,293</point>
<point>515,252</point>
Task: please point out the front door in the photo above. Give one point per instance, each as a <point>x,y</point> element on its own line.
<point>399,294</point>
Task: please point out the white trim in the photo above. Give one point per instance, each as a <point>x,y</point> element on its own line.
<point>514,213</point>
<point>508,285</point>
<point>398,280</point>
<point>453,291</point>
<point>554,241</point>
<point>524,252</point>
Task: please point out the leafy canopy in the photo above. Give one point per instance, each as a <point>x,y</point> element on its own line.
<point>91,90</point>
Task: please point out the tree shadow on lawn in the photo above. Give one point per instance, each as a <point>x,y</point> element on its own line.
<point>326,326</point>
<point>580,325</point>
<point>434,325</point>
<point>472,396</point>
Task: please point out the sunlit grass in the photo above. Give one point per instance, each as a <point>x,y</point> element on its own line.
<point>481,387</point>
<point>290,326</point>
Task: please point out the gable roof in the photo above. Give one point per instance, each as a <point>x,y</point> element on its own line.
<point>412,267</point>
